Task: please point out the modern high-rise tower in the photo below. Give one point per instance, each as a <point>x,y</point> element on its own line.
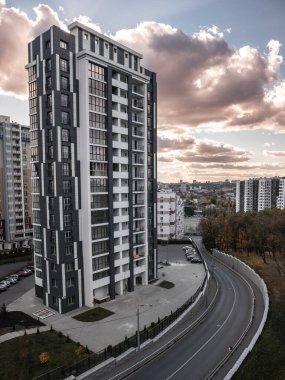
<point>93,136</point>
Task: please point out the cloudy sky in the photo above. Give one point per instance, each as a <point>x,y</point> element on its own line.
<point>220,70</point>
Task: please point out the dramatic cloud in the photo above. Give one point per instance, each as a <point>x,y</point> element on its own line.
<point>274,153</point>
<point>16,30</point>
<point>189,149</point>
<point>205,81</point>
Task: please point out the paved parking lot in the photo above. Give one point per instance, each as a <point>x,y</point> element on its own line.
<point>173,253</point>
<point>17,290</point>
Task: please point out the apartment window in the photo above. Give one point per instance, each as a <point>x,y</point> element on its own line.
<point>33,122</point>
<point>99,200</point>
<point>63,44</point>
<point>96,71</point>
<point>66,203</point>
<point>67,236</point>
<point>38,261</point>
<point>100,263</point>
<point>48,83</point>
<point>67,220</point>
<point>33,89</point>
<point>52,250</point>
<point>50,171</point>
<point>49,118</point>
<point>65,135</point>
<point>50,135</point>
<point>97,137</point>
<point>97,104</point>
<point>32,73</point>
<point>66,187</point>
<point>65,152</point>
<point>70,282</point>
<point>51,187</point>
<point>99,216</point>
<point>97,153</point>
<point>54,283</point>
<point>35,185</point>
<point>36,201</point>
<point>48,64</point>
<point>55,300</point>
<point>71,300</point>
<point>64,100</point>
<point>36,217</point>
<point>49,100</point>
<point>98,169</point>
<point>86,36</point>
<point>69,250</point>
<point>33,105</point>
<point>34,153</point>
<point>66,169</point>
<point>50,152</point>
<point>63,65</point>
<point>39,274</point>
<point>97,88</point>
<point>69,267</point>
<point>98,185</point>
<point>53,236</point>
<point>99,275</point>
<point>37,232</point>
<point>100,247</point>
<point>64,117</point>
<point>51,203</point>
<point>97,121</point>
<point>64,83</point>
<point>52,220</point>
<point>99,232</point>
<point>48,44</point>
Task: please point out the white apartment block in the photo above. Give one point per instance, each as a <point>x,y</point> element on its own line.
<point>170,216</point>
<point>15,182</point>
<point>281,196</point>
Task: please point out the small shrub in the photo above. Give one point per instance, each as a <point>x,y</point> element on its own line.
<point>44,358</point>
<point>59,334</point>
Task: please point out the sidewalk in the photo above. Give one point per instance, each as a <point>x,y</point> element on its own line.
<point>112,330</point>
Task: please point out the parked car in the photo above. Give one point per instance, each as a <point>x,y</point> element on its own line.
<point>16,276</point>
<point>24,273</point>
<point>5,284</point>
<point>31,267</point>
<point>28,270</point>
<point>196,260</point>
<point>186,247</point>
<point>12,280</point>
<point>2,287</point>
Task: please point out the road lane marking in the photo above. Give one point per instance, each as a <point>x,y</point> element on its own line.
<point>201,348</point>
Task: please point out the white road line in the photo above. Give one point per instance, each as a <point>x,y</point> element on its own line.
<point>188,360</point>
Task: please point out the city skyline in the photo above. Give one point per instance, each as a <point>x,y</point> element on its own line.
<point>221,93</point>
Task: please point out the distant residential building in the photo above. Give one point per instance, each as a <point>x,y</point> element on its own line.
<point>170,216</point>
<point>183,188</point>
<point>258,194</point>
<point>280,202</point>
<point>15,181</point>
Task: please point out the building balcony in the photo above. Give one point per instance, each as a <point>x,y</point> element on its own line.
<point>139,269</point>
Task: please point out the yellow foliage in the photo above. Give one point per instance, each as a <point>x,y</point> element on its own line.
<point>44,357</point>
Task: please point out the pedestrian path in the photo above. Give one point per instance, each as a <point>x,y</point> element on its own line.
<point>155,302</point>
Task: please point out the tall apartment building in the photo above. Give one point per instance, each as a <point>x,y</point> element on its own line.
<point>257,194</point>
<point>15,182</point>
<point>170,216</point>
<point>93,136</point>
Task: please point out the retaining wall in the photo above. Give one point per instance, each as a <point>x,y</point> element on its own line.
<point>245,270</point>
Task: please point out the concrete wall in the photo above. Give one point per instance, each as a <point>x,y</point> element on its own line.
<point>245,270</point>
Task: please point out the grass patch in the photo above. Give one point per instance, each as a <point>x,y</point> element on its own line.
<point>166,284</point>
<point>20,357</point>
<point>93,315</point>
<point>267,360</point>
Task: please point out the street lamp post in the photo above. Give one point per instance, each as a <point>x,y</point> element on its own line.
<point>138,326</point>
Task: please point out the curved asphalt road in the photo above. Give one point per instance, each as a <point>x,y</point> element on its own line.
<point>200,351</point>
